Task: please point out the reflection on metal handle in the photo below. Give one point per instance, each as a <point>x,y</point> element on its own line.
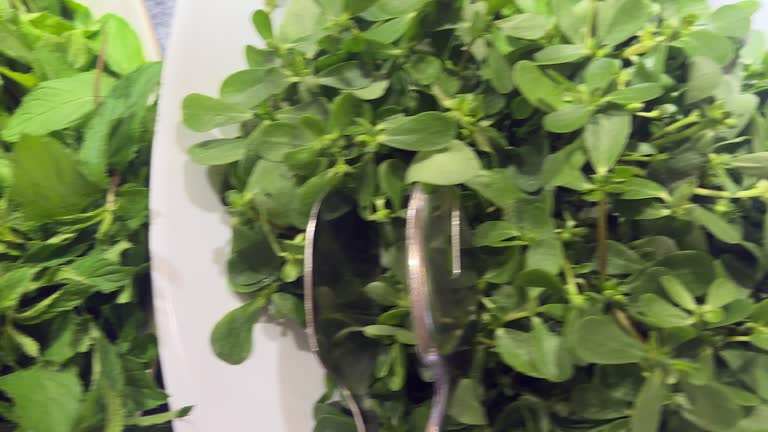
<point>418,286</point>
<point>440,396</point>
<point>456,237</point>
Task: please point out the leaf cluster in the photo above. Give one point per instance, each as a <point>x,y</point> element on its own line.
<point>76,120</point>
<point>612,161</point>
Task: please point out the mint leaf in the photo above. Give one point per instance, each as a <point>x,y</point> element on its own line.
<point>55,105</point>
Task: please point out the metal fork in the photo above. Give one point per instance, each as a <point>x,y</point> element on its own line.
<point>341,256</point>
<point>441,297</point>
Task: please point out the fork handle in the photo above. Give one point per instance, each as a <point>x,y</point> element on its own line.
<point>441,394</point>
<point>362,424</point>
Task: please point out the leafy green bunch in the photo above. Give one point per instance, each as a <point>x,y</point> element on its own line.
<point>76,122</point>
<point>612,159</point>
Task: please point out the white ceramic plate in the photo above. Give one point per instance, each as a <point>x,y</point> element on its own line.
<point>275,389</point>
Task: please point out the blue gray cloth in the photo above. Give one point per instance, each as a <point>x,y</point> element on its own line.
<point>161,12</point>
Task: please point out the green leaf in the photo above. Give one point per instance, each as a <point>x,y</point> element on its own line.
<point>343,112</point>
<point>618,20</point>
<point>500,71</point>
<point>569,119</point>
<point>423,132</point>
<point>574,18</point>
<point>263,24</point>
<point>13,285</point>
<point>273,189</point>
<point>203,113</point>
<point>232,337</point>
<point>716,225</point>
<point>649,405</point>
<point>723,292</point>
<point>55,105</point>
<point>493,233</point>
<point>558,54</point>
<point>251,87</point>
<point>704,43</point>
<point>704,77</point>
<point>540,353</point>
<point>658,312</point>
<point>123,50</point>
<point>391,175</point>
<point>384,10</point>
<point>466,404</point>
<point>28,345</point>
<point>605,138</point>
<point>285,306</point>
<point>733,20</point>
<point>36,391</point>
<point>301,25</point>
<point>28,80</point>
<point>344,76</point>
<point>755,164</point>
<point>47,181</point>
<point>272,141</point>
<point>679,294</point>
<point>639,188</point>
<point>677,9</point>
<point>217,151</point>
<point>374,91</point>
<point>158,419</point>
<point>312,190</point>
<point>712,408</point>
<point>424,69</point>
<point>245,272</point>
<point>598,339</point>
<point>623,260</point>
<point>637,93</point>
<point>497,186</point>
<point>525,26</point>
<point>537,87</point>
<point>382,293</point>
<point>124,109</point>
<point>404,336</point>
<point>760,312</point>
<point>452,165</point>
<point>389,31</point>
<point>754,51</point>
<point>600,73</point>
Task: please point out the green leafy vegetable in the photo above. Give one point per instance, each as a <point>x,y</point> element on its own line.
<point>610,159</point>
<point>77,103</point>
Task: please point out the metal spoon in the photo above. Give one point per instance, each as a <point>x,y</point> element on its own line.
<point>442,300</point>
<point>341,256</point>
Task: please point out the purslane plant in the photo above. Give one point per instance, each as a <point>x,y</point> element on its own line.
<point>613,164</point>
<point>76,121</point>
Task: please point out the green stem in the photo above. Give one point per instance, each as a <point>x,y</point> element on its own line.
<point>751,193</point>
<point>273,243</point>
<point>688,133</point>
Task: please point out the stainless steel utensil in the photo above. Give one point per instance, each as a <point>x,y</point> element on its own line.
<point>342,256</point>
<point>442,300</point>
